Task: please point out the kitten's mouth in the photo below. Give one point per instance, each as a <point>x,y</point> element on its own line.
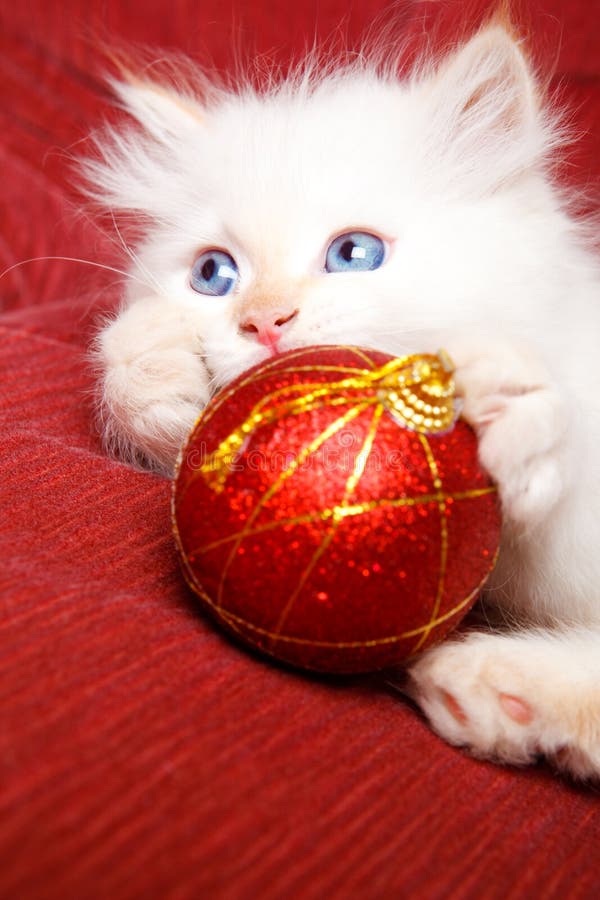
<point>270,339</point>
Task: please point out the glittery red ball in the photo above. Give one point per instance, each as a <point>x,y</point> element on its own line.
<point>322,530</point>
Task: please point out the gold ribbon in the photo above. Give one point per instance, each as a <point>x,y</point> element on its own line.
<point>417,390</point>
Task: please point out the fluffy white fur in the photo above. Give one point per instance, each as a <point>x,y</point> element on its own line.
<point>450,166</point>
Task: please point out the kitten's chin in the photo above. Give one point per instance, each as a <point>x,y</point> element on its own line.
<point>231,364</point>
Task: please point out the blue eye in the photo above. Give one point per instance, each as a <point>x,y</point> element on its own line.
<point>214,273</point>
<point>356,251</point>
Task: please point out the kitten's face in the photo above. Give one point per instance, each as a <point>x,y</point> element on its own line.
<point>273,190</point>
<point>353,213</point>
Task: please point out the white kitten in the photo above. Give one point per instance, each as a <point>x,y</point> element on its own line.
<point>453,236</point>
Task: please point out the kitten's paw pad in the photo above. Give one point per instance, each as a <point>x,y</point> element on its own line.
<point>516,708</point>
<point>454,707</point>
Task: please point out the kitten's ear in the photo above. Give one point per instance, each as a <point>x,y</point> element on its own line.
<point>140,170</point>
<point>488,82</point>
<point>160,111</point>
<point>486,107</point>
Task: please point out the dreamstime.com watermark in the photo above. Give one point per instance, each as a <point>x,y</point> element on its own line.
<point>343,456</point>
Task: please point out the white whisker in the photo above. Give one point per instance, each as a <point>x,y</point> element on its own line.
<point>135,259</point>
<point>85,262</point>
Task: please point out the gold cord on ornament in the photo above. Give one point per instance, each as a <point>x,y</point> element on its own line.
<point>417,390</point>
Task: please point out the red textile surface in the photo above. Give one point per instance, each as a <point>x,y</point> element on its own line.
<point>141,753</point>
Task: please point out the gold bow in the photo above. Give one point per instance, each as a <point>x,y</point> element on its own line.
<point>417,390</point>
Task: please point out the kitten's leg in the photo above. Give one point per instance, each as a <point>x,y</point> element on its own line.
<point>514,697</point>
<point>153,385</point>
<point>521,422</point>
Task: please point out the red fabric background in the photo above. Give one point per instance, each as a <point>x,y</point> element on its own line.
<point>142,754</point>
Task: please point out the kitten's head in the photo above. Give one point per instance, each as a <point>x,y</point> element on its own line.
<point>349,208</point>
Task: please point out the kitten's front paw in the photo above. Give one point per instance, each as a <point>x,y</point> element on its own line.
<point>520,421</point>
<point>504,700</point>
<point>519,442</point>
<point>474,701</point>
<point>154,385</point>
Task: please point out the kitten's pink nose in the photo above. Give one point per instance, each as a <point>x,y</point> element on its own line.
<point>267,326</point>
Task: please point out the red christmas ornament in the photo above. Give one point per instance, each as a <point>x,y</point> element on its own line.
<point>330,511</point>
